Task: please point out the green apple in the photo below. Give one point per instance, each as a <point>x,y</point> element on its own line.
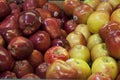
<point>99,50</point>
<point>114,3</point>
<point>96,20</point>
<point>115,16</point>
<point>81,66</point>
<point>83,28</point>
<point>80,52</point>
<point>93,40</point>
<point>106,64</point>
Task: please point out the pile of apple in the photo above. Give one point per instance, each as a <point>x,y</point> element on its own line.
<point>41,40</point>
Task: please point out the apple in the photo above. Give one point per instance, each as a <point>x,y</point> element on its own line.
<point>114,3</point>
<point>80,52</point>
<point>112,43</point>
<point>83,28</point>
<point>99,50</point>
<point>59,69</point>
<point>2,41</point>
<point>20,47</point>
<point>99,76</point>
<point>118,77</point>
<point>93,40</point>
<point>40,3</point>
<point>54,53</point>
<point>96,20</point>
<point>115,15</point>
<point>81,66</point>
<point>69,6</point>
<point>76,38</point>
<point>30,76</point>
<point>105,64</point>
<point>81,13</point>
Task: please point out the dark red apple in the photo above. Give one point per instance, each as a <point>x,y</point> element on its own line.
<point>41,3</point>
<point>29,22</point>
<point>20,47</point>
<point>41,40</point>
<point>42,69</point>
<point>53,8</point>
<point>6,60</point>
<point>35,58</point>
<point>8,75</point>
<point>30,76</point>
<point>22,68</point>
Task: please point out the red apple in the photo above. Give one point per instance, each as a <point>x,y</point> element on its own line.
<point>118,77</point>
<point>30,76</point>
<point>41,3</point>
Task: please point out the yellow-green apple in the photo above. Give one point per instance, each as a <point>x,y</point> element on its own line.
<point>93,3</point>
<point>93,40</point>
<point>76,38</point>
<point>69,6</point>
<point>80,52</point>
<point>105,64</point>
<point>108,28</point>
<point>83,28</point>
<point>114,3</point>
<point>99,50</point>
<point>100,76</point>
<point>105,6</point>
<point>112,43</point>
<point>81,66</point>
<point>61,70</point>
<point>96,20</point>
<point>81,13</point>
<point>115,15</point>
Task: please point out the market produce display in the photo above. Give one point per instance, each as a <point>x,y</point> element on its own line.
<point>76,39</point>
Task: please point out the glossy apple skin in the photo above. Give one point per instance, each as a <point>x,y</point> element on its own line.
<point>69,6</point>
<point>112,43</point>
<point>29,4</point>
<point>114,16</point>
<point>8,75</point>
<point>22,67</point>
<point>30,76</point>
<point>41,3</point>
<point>53,8</point>
<point>54,53</point>
<point>52,26</point>
<point>105,64</point>
<point>6,60</point>
<point>41,70</point>
<point>29,22</point>
<point>107,28</point>
<point>70,26</point>
<point>20,47</point>
<point>81,13</point>
<point>41,40</point>
<point>61,70</point>
<point>99,76</point>
<point>35,58</point>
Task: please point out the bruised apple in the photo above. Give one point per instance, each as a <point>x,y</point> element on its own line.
<point>61,70</point>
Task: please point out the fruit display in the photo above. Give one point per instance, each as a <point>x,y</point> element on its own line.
<point>68,39</point>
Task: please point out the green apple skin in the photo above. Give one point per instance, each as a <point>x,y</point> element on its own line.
<point>99,50</point>
<point>114,3</point>
<point>93,40</point>
<point>80,52</point>
<point>96,20</point>
<point>105,64</point>
<point>115,16</point>
<point>83,28</point>
<point>81,66</point>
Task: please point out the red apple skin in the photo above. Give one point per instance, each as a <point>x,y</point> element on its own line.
<point>70,26</point>
<point>113,44</point>
<point>99,76</point>
<point>22,67</point>
<point>41,3</point>
<point>81,13</point>
<point>53,8</point>
<point>20,47</point>
<point>63,72</point>
<point>107,28</point>
<point>30,76</point>
<point>6,60</point>
<point>41,70</point>
<point>118,77</point>
<point>41,40</point>
<point>52,26</point>
<point>29,22</point>
<point>70,5</point>
<point>35,58</point>
<point>8,75</point>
